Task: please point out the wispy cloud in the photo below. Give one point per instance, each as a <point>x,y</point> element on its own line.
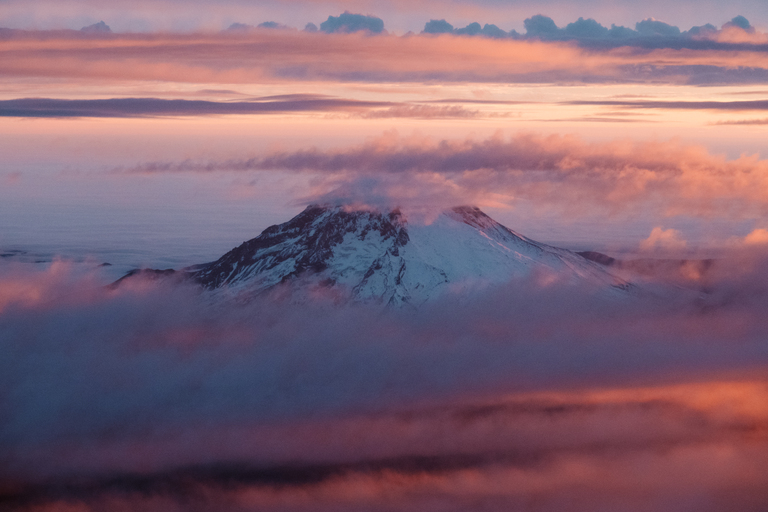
<point>739,106</point>
<point>553,172</point>
<point>746,122</point>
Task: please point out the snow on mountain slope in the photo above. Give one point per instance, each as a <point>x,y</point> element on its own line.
<point>378,256</point>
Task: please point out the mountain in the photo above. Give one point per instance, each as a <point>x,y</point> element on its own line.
<point>379,256</point>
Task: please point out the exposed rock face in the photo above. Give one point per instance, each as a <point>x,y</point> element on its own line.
<point>312,242</point>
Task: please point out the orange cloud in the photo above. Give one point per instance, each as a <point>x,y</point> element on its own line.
<point>665,240</point>
<point>757,237</point>
<point>560,173</point>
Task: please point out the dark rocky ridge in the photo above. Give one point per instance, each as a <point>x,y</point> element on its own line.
<point>312,235</point>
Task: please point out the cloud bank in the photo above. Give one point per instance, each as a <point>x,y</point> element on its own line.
<point>557,173</point>
<point>256,56</point>
<point>144,396</point>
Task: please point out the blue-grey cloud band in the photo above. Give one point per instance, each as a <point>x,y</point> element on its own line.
<point>152,107</point>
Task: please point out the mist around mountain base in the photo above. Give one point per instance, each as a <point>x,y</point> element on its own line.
<point>535,393</point>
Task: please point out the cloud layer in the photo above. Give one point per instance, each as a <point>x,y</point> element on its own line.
<point>556,173</point>
<point>145,396</point>
<point>277,55</point>
<point>151,107</point>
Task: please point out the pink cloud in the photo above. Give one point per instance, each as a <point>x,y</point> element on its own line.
<point>555,173</point>
<point>660,239</point>
<point>277,56</point>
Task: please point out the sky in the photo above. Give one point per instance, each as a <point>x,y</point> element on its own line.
<point>163,133</point>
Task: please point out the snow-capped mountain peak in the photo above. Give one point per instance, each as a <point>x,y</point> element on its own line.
<point>378,256</point>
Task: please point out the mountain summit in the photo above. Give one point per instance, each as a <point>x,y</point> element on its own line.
<point>378,256</point>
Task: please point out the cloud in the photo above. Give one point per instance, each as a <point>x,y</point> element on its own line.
<point>648,33</point>
<point>348,22</point>
<point>541,26</point>
<point>290,103</point>
<point>97,28</point>
<point>148,396</point>
<point>563,174</point>
<point>424,112</point>
<point>270,55</point>
<point>654,28</point>
<point>244,28</point>
<point>588,28</point>
<point>438,27</point>
<point>756,105</point>
<point>272,25</point>
<point>757,237</point>
<point>740,22</point>
<point>239,27</point>
<point>150,107</point>
<point>473,29</point>
<point>668,240</point>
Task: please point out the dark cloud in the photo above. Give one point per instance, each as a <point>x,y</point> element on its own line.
<point>348,22</point>
<point>97,28</point>
<point>655,28</point>
<point>438,27</point>
<point>239,27</point>
<point>648,33</point>
<point>588,28</point>
<point>740,22</point>
<point>496,32</point>
<point>272,24</point>
<point>244,28</point>
<point>541,26</point>
<point>620,32</point>
<point>149,107</point>
<point>473,29</point>
<point>704,31</point>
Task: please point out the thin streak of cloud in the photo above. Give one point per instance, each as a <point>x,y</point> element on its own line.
<point>743,122</point>
<point>150,107</point>
<point>757,105</point>
<point>425,112</point>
